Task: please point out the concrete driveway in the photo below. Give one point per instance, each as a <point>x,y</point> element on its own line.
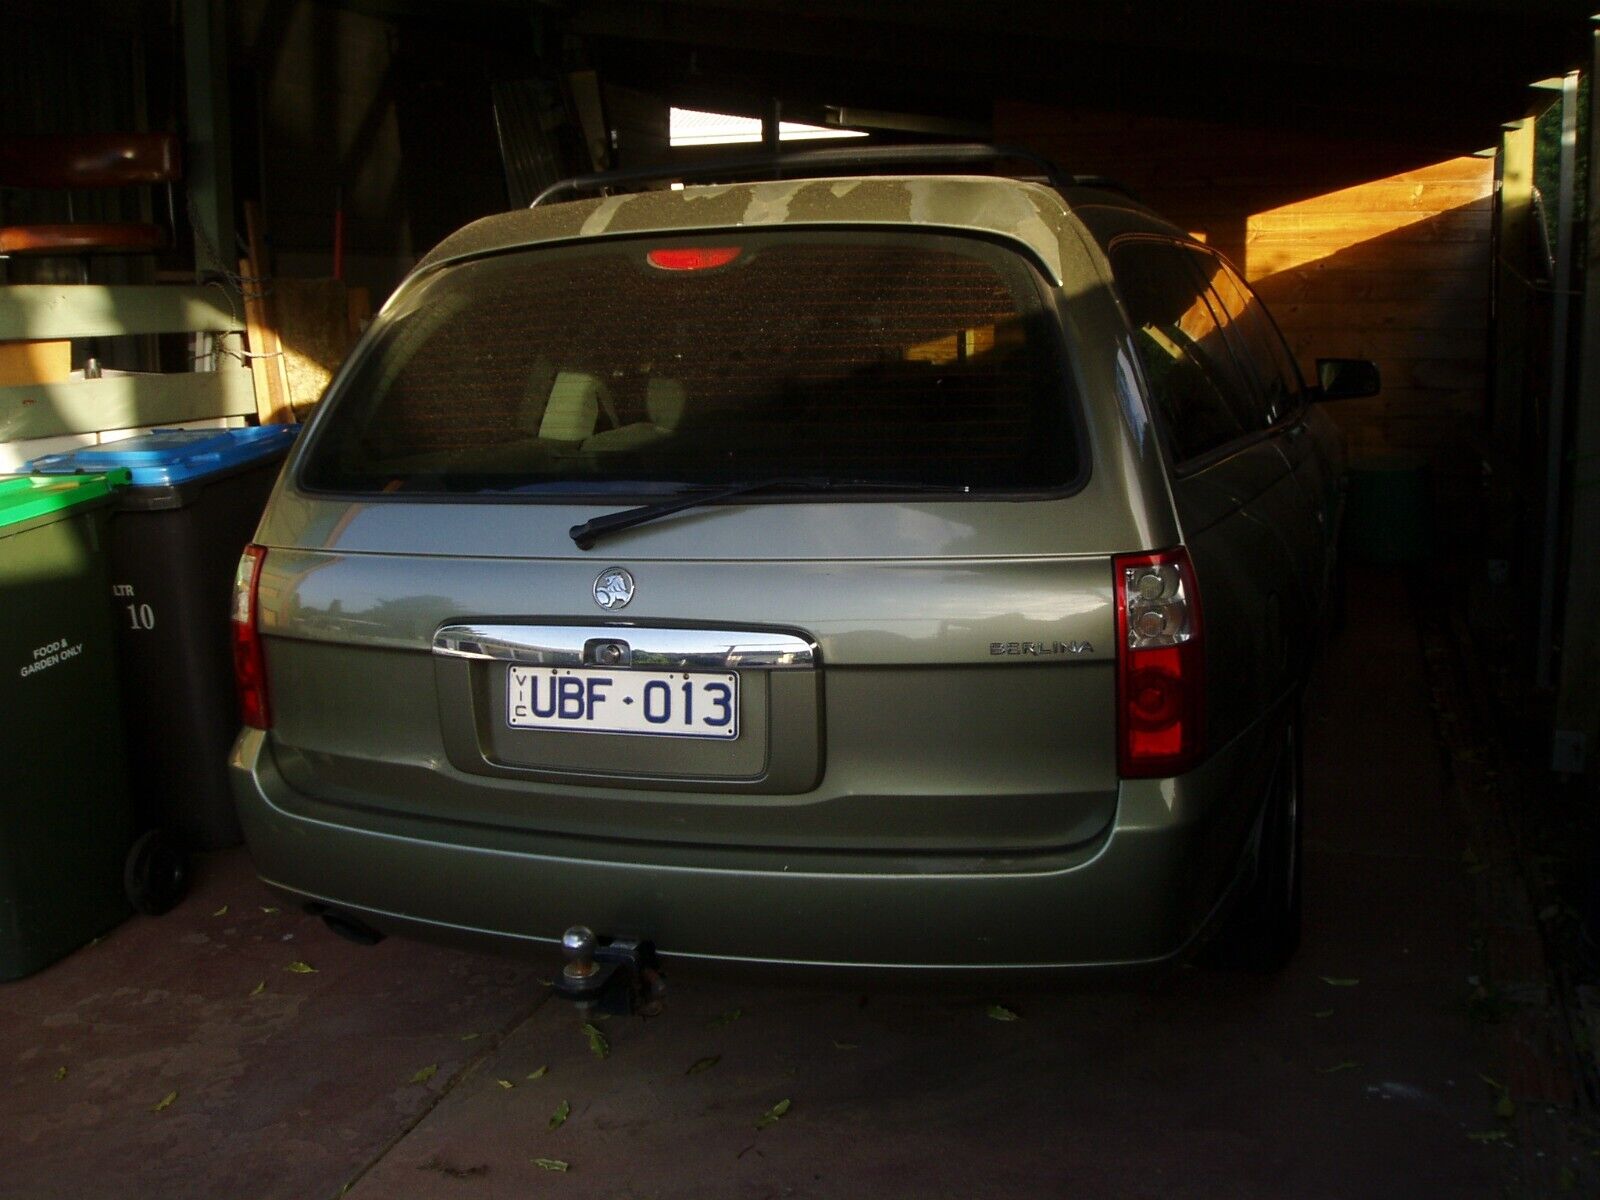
<point>184,1057</point>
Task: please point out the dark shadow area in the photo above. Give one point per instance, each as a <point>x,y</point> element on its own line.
<point>1415,301</point>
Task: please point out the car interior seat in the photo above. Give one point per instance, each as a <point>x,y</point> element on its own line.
<point>573,408</point>
<point>663,404</point>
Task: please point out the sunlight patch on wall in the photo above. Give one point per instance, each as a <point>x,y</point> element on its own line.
<point>1438,205</point>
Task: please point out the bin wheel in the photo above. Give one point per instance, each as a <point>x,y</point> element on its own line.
<point>157,874</point>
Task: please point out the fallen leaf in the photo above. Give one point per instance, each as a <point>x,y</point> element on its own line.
<point>61,1073</point>
<point>847,1045</point>
<point>1333,982</point>
<point>1346,1065</point>
<point>771,1116</point>
<point>559,1117</point>
<point>1494,1083</point>
<point>1001,1013</point>
<point>269,910</point>
<point>1322,1012</point>
<point>1567,1180</point>
<point>553,1164</point>
<point>539,1074</point>
<point>259,988</point>
<point>727,1018</point>
<point>468,1037</point>
<point>598,1046</point>
<point>703,1064</point>
<point>221,912</point>
<point>301,968</point>
<point>546,983</point>
<point>1549,912</point>
<point>165,1102</point>
<point>1489,1135</point>
<point>505,1083</point>
<point>426,1073</point>
<point>1505,1108</point>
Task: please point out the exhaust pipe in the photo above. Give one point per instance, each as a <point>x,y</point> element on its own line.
<point>352,929</point>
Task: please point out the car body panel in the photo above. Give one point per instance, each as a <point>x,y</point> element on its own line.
<point>1138,896</point>
<point>1029,214</point>
<point>922,699</point>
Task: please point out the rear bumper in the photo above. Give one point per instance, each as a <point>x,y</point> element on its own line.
<point>1138,897</point>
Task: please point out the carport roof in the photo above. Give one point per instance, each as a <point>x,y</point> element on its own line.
<point>1441,74</point>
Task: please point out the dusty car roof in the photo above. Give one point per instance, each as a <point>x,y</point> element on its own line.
<point>1029,213</point>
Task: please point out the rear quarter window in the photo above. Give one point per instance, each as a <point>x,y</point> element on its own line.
<point>641,364</point>
<point>1201,398</point>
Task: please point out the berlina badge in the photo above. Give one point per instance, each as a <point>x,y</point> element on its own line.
<point>613,588</point>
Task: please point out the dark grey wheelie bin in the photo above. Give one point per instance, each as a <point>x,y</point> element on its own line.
<point>175,537</point>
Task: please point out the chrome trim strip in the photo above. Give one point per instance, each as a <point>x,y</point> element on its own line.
<point>686,649</point>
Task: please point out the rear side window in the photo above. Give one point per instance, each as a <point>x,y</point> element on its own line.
<point>1258,340</point>
<point>1199,394</point>
<point>639,365</point>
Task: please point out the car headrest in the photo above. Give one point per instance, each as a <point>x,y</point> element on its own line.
<point>663,401</point>
<point>573,408</point>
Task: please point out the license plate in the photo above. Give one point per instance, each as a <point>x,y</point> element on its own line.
<point>655,703</point>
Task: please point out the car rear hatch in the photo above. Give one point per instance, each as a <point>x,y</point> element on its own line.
<point>900,639</point>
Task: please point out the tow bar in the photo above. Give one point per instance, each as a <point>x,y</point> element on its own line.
<point>616,975</point>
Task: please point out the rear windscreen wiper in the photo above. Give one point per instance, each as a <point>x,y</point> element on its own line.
<point>592,530</point>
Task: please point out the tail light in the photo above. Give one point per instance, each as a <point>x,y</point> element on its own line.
<point>1160,665</point>
<point>249,664</point>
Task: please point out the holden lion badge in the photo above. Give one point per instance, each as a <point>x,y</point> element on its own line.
<point>613,588</point>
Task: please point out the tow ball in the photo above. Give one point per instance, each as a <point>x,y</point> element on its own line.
<point>610,974</point>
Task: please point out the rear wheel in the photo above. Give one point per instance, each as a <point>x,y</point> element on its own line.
<point>1264,931</point>
<point>156,875</point>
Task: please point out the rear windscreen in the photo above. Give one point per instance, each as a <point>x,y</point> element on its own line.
<point>644,365</point>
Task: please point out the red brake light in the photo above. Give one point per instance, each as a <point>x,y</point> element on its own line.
<point>692,258</point>
<point>1160,665</point>
<point>249,663</point>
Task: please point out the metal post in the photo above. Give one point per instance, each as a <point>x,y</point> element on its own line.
<point>208,163</point>
<point>1577,726</point>
<point>770,126</point>
<point>1556,410</point>
<point>1513,212</point>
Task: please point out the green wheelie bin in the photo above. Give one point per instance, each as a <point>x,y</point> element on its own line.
<point>66,824</point>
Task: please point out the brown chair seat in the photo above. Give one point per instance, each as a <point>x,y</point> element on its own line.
<point>82,238</point>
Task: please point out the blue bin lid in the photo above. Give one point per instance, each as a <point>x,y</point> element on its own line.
<point>167,457</point>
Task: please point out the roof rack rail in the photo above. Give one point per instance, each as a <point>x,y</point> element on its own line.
<point>809,162</point>
<point>1107,184</point>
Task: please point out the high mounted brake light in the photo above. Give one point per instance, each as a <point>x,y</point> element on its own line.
<point>692,258</point>
<point>249,663</point>
<point>1160,665</point>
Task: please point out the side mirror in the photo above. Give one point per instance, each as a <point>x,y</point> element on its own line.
<point>1346,378</point>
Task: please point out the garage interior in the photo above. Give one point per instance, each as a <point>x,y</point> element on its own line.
<point>1405,181</point>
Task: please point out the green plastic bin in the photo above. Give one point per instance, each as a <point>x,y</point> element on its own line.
<point>65,821</point>
<point>1388,517</point>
